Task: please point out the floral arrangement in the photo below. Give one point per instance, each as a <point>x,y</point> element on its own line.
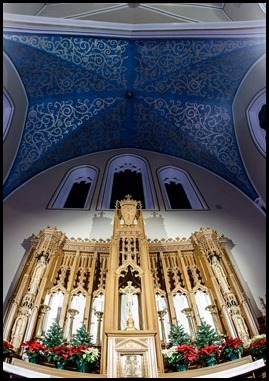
<point>209,354</point>
<point>59,353</point>
<point>184,353</point>
<point>232,347</point>
<point>84,353</point>
<point>257,347</point>
<point>8,349</point>
<point>34,349</point>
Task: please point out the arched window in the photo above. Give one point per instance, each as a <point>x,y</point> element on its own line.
<point>180,303</point>
<point>256,114</point>
<point>76,189</point>
<point>202,300</point>
<point>97,308</point>
<point>55,303</point>
<point>78,303</point>
<point>163,317</point>
<point>179,191</point>
<point>127,174</point>
<point>8,110</point>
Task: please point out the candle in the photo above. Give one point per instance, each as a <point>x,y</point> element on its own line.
<point>99,304</point>
<point>159,304</point>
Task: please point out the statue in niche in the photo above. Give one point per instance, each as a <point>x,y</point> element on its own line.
<point>240,326</point>
<point>219,274</point>
<point>18,330</point>
<point>38,274</point>
<point>130,315</point>
<point>130,291</point>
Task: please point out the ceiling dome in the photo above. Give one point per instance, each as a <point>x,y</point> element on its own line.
<point>164,80</point>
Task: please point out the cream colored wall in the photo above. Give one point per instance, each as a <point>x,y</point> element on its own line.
<point>230,213</point>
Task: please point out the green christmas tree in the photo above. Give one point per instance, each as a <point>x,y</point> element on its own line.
<point>82,336</point>
<point>54,335</point>
<point>206,335</point>
<point>178,336</point>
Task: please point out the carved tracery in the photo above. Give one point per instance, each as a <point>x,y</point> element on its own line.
<point>174,271</point>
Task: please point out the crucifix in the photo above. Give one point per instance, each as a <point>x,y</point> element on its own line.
<point>130,291</point>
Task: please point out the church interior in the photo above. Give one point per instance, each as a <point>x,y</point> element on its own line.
<point>134,196</point>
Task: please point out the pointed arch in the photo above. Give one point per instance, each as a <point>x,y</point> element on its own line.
<point>78,302</point>
<point>178,189</point>
<point>55,302</point>
<point>127,174</point>
<point>203,300</point>
<point>76,189</point>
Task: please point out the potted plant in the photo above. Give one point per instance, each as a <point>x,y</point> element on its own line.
<point>209,355</point>
<point>85,357</point>
<point>257,347</point>
<point>82,336</point>
<point>60,355</point>
<point>178,336</point>
<point>34,350</point>
<point>206,335</point>
<point>180,356</point>
<point>8,350</point>
<point>232,348</point>
<point>57,351</point>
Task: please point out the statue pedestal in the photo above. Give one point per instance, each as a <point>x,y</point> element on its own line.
<point>131,354</point>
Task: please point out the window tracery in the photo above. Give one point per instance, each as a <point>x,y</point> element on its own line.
<point>172,282</point>
<point>76,189</point>
<point>178,190</point>
<point>134,164</point>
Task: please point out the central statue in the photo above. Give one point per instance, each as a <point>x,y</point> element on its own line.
<point>130,291</point>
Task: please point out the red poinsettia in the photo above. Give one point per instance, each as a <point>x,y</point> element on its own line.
<point>257,347</point>
<point>8,348</point>
<point>59,353</point>
<point>33,348</point>
<point>84,353</point>
<point>181,353</point>
<point>231,347</point>
<point>209,353</point>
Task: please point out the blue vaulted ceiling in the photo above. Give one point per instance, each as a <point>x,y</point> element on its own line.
<point>168,95</point>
